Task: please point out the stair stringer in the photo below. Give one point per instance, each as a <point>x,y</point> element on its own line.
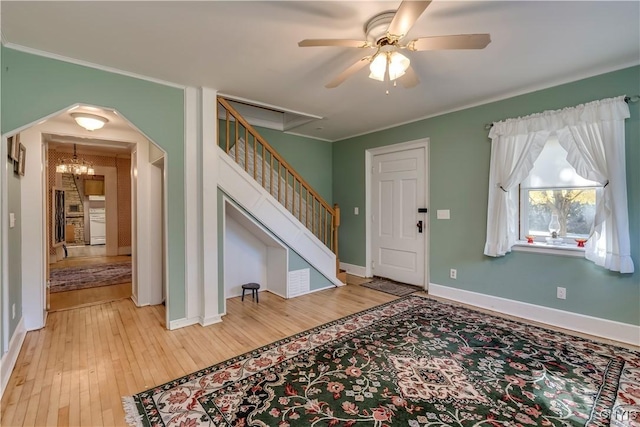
<point>238,184</point>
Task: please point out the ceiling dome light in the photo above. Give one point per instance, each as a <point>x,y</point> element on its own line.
<point>89,121</point>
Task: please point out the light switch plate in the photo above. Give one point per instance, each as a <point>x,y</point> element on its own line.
<point>356,211</point>
<point>443,214</point>
<point>12,220</point>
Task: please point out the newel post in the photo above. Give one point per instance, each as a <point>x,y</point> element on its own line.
<point>336,224</point>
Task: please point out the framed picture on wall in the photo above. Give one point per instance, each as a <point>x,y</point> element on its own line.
<point>14,147</point>
<point>19,166</point>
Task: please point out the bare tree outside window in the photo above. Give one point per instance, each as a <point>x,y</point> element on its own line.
<point>575,208</point>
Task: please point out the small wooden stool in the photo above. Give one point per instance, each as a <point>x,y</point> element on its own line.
<point>254,290</point>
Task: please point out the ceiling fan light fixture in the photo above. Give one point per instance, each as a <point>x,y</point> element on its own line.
<point>398,64</point>
<point>378,67</point>
<point>89,121</point>
<point>394,63</point>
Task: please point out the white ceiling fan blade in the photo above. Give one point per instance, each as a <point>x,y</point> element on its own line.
<point>461,41</point>
<point>409,79</point>
<point>407,15</point>
<point>347,73</point>
<point>333,42</point>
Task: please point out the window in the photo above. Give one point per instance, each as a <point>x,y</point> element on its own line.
<point>554,188</point>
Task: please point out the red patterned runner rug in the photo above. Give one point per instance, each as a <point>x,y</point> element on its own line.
<point>411,362</point>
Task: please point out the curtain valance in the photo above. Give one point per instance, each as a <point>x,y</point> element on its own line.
<point>593,135</point>
<point>604,110</point>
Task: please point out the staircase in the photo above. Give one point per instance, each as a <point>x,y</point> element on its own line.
<point>259,179</point>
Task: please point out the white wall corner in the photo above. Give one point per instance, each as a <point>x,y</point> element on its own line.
<point>595,326</point>
<point>34,241</point>
<point>209,180</point>
<point>193,196</point>
<point>8,361</point>
<point>356,270</point>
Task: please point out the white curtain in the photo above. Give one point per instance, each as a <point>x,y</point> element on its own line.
<point>593,135</point>
<point>512,158</point>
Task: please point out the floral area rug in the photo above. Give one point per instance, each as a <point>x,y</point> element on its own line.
<point>411,362</point>
<point>90,276</point>
<point>391,287</point>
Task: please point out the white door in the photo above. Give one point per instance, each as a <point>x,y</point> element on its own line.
<point>398,189</point>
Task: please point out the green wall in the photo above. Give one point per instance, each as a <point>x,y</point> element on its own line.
<point>311,158</point>
<point>15,249</point>
<point>458,180</point>
<point>34,87</point>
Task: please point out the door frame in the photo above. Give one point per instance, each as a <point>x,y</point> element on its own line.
<point>368,164</point>
<point>35,313</point>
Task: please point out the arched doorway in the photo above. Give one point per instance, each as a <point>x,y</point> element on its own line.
<point>35,238</point>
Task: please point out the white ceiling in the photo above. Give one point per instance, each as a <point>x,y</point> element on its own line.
<point>249,50</point>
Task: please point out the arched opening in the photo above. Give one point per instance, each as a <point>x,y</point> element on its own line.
<point>134,207</point>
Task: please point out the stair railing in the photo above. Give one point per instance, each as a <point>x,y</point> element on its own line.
<point>259,159</point>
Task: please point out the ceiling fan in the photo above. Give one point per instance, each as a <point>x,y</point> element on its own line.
<point>386,33</point>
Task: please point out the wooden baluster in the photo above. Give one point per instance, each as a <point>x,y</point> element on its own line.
<point>264,172</point>
<point>324,237</point>
<point>279,182</point>
<point>246,153</point>
<point>236,139</point>
<point>286,189</point>
<point>308,207</point>
<point>300,201</point>
<point>271,175</point>
<point>313,224</point>
<point>228,125</point>
<point>255,158</point>
<point>336,224</point>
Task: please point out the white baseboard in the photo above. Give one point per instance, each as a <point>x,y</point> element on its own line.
<point>604,328</point>
<point>124,250</point>
<point>181,323</point>
<point>356,270</point>
<point>211,320</point>
<point>8,361</point>
<point>134,298</point>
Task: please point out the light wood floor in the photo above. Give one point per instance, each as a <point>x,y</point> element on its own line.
<point>75,370</point>
<point>85,297</point>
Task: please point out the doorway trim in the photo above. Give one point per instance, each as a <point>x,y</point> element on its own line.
<point>35,313</point>
<point>368,165</point>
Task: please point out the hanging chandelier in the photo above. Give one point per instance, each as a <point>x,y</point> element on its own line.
<point>75,165</point>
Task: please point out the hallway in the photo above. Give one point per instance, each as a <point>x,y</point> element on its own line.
<point>86,297</point>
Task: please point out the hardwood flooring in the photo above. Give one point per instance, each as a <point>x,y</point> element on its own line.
<point>85,297</point>
<point>75,370</point>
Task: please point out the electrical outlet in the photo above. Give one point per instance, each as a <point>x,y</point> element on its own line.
<point>561,293</point>
<point>13,311</point>
<point>356,211</point>
<point>453,273</point>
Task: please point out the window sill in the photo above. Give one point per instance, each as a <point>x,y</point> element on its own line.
<point>546,248</point>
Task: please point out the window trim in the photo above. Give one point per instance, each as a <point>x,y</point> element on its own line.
<point>548,249</point>
<point>523,220</point>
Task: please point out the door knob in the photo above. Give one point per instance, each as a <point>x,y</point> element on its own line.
<point>419,226</point>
